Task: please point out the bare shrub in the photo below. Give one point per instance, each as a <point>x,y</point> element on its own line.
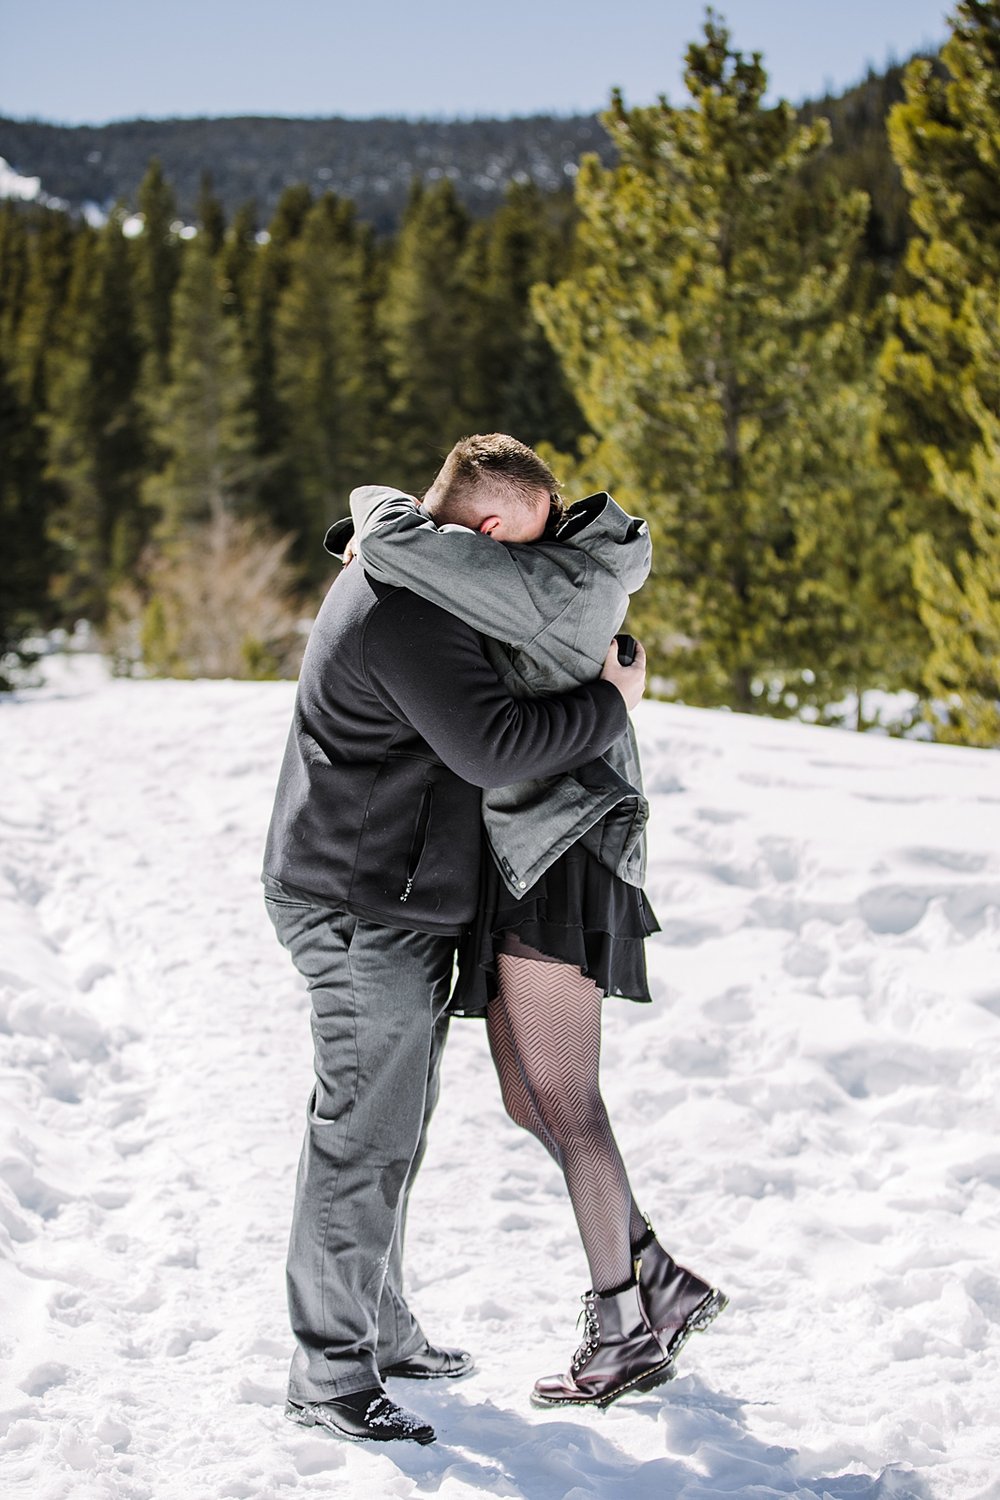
<point>219,603</point>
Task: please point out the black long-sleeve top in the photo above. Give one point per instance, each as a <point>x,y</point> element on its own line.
<point>399,721</point>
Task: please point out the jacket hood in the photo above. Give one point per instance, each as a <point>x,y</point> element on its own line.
<point>368,496</point>
<point>592,523</point>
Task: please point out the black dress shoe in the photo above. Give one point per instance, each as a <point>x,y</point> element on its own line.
<point>363,1416</point>
<point>430,1363</point>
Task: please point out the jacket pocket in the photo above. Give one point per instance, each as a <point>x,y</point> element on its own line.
<point>418,842</point>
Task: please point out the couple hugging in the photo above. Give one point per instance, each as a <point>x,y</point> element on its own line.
<point>461,779</point>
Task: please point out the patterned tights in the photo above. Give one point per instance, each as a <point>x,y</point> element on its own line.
<point>545,1035</point>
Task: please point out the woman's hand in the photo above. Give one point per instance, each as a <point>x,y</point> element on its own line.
<point>350,551</point>
<point>631,680</point>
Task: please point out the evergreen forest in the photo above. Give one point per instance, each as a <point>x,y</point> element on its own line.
<point>775,333</point>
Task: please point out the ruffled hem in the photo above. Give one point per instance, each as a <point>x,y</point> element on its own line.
<point>578,913</point>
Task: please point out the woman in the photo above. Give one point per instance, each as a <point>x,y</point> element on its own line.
<point>562,914</point>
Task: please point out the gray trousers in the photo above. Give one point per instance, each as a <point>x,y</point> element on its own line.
<point>379,1025</point>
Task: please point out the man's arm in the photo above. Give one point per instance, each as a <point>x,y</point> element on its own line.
<point>452,566</point>
<point>431,668</point>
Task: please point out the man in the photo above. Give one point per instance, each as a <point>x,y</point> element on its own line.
<point>371,873</point>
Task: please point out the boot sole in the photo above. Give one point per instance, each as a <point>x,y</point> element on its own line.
<point>647,1381</point>
<point>704,1314</point>
<point>304,1418</point>
<point>391,1374</point>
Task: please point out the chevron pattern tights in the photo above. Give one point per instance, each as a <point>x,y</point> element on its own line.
<point>544,1029</point>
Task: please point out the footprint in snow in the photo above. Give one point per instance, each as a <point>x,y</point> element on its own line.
<point>17,1228</point>
<point>968,907</point>
<point>255,1393</point>
<point>782,858</point>
<point>990,1001</point>
<point>316,1456</point>
<point>732,1006</point>
<point>895,909</point>
<point>718,815</point>
<point>984,1290</point>
<point>745,875</point>
<point>985,1169</point>
<point>181,1340</point>
<point>44,1378</point>
<point>686,934</point>
<point>513,1222</point>
<point>29,1189</point>
<point>93,974</point>
<point>805,961</point>
<point>962,861</point>
<point>71,1308</point>
<point>867,1071</point>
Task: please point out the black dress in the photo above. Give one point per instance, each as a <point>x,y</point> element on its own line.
<point>578,913</point>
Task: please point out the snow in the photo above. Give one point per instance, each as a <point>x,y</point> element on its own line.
<point>808,1111</point>
<point>13,185</point>
<point>28,189</point>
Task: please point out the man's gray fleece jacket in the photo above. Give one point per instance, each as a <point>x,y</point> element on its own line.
<point>548,610</point>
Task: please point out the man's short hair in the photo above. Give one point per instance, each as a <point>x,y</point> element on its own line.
<point>490,466</point>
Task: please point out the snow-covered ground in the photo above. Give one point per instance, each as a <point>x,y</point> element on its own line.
<point>809,1113</point>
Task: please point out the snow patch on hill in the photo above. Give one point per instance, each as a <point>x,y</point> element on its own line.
<point>13,185</point>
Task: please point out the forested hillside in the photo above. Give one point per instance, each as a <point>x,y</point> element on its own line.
<point>772,332</point>
<point>372,162</point>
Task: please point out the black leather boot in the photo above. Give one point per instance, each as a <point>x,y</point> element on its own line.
<point>676,1301</point>
<point>432,1363</point>
<point>619,1353</point>
<point>363,1416</point>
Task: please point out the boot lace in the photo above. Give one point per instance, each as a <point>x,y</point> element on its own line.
<point>591,1330</point>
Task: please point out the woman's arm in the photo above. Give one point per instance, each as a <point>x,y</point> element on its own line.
<point>466,573</point>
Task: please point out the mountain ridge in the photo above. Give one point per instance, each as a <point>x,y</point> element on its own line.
<point>374,161</point>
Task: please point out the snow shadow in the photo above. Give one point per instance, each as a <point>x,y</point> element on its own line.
<point>497,1450</point>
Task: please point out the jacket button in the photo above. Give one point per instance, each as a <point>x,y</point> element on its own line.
<point>522,884</point>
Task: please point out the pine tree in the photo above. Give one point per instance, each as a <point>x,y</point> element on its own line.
<point>945,140</point>
<point>941,365</point>
<point>289,217</point>
<point>210,215</point>
<point>270,271</point>
<point>323,375</point>
<point>237,260</point>
<point>96,428</point>
<point>854,575</point>
<point>423,317</point>
<point>27,497</point>
<point>14,253</point>
<point>960,604</point>
<point>203,419</point>
<point>516,383</point>
<point>42,304</point>
<point>156,259</point>
<point>22,524</point>
<point>703,336</point>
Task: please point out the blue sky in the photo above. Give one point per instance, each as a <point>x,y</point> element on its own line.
<point>90,61</point>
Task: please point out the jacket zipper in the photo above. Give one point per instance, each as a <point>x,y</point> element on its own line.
<point>417,846</point>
